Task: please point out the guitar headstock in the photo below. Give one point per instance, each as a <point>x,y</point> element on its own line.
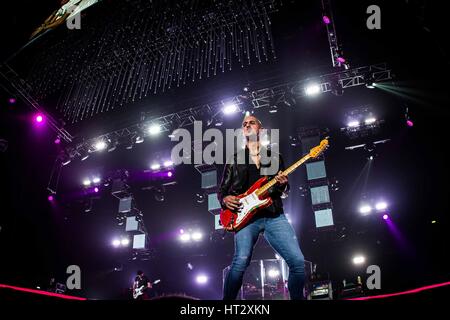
<point>316,151</point>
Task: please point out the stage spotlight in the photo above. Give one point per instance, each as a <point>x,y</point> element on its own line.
<point>365,209</point>
<point>370,121</point>
<point>381,206</point>
<point>353,124</point>
<point>229,109</point>
<point>409,123</point>
<point>86,182</point>
<point>125,242</point>
<point>96,190</point>
<point>12,100</point>
<point>65,159</point>
<point>155,166</point>
<point>57,140</point>
<point>185,237</point>
<point>200,197</point>
<point>168,163</point>
<point>96,180</point>
<point>139,139</point>
<point>385,217</point>
<point>197,236</point>
<point>359,260</point>
<point>190,266</point>
<point>433,221</point>
<point>201,279</point>
<point>273,273</point>
<point>116,243</point>
<point>312,89</point>
<point>50,198</point>
<point>340,60</point>
<point>112,145</point>
<point>154,129</point>
<point>369,83</point>
<point>39,118</point>
<point>169,174</point>
<point>326,20</point>
<point>100,145</point>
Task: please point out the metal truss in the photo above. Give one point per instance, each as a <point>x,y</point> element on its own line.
<point>285,93</point>
<point>23,89</point>
<point>336,51</point>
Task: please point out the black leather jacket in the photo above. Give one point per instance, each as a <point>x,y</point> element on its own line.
<point>235,181</point>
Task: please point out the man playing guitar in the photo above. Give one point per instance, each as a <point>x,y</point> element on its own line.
<point>141,286</point>
<point>270,221</point>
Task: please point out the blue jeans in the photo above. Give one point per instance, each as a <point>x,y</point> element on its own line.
<point>281,236</point>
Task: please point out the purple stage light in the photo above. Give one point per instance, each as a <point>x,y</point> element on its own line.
<point>385,217</point>
<point>340,60</point>
<point>169,174</point>
<point>50,198</point>
<point>409,123</point>
<point>57,141</point>
<point>326,20</point>
<point>39,118</point>
<point>95,189</point>
<point>12,100</point>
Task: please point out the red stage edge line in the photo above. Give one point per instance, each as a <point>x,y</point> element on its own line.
<point>45,293</point>
<point>403,292</point>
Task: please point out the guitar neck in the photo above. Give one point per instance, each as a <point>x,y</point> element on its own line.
<point>286,172</point>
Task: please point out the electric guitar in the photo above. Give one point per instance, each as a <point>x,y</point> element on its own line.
<point>140,291</point>
<point>257,197</point>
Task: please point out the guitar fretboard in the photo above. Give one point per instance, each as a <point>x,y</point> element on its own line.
<point>289,170</point>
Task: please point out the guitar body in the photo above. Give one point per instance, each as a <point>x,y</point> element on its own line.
<point>257,198</point>
<point>251,204</point>
<point>138,291</point>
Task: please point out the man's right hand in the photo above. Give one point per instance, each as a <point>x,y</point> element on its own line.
<point>232,203</point>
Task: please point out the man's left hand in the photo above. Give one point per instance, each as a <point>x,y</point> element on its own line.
<point>281,178</point>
